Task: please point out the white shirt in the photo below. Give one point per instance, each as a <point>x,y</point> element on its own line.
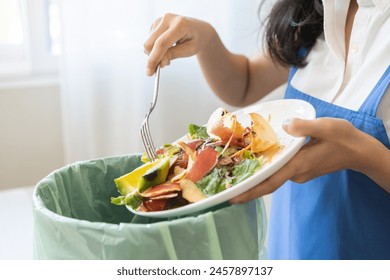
<point>347,82</point>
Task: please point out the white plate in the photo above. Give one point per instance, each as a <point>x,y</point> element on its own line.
<point>278,111</point>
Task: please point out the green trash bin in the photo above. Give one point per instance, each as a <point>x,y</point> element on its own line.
<point>74,219</point>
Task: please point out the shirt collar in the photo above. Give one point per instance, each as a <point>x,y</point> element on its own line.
<point>382,5</point>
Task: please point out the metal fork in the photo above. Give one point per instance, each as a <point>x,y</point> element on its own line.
<point>146,136</point>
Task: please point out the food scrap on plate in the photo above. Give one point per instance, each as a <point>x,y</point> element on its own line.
<point>209,160</point>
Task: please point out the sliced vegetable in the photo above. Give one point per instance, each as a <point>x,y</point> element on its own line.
<point>130,181</point>
<point>154,205</point>
<point>190,192</point>
<point>133,199</point>
<point>224,124</point>
<point>204,163</point>
<point>263,136</point>
<point>155,175</point>
<point>162,189</point>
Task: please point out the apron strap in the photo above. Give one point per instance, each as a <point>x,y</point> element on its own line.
<point>293,70</point>
<point>370,105</point>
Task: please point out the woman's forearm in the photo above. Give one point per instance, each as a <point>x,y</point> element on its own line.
<point>236,79</point>
<point>226,73</point>
<point>374,161</point>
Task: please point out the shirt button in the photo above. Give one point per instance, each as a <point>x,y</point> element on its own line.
<point>354,48</point>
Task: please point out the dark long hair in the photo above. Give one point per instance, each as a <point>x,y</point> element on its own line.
<point>291,25</point>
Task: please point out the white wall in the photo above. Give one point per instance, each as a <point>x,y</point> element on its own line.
<point>30,135</point>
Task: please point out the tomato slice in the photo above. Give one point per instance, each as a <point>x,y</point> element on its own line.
<point>155,205</point>
<point>161,189</point>
<point>205,161</point>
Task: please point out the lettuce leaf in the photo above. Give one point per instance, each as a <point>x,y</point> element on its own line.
<point>245,169</point>
<point>214,182</point>
<point>120,200</point>
<point>198,132</point>
<point>217,180</point>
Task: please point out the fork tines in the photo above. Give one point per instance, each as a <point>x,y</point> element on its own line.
<point>146,136</point>
<point>147,139</point>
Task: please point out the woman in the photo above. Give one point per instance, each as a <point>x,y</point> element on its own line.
<point>332,200</point>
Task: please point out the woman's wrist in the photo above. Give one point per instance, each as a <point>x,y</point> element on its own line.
<point>225,72</point>
<point>211,45</point>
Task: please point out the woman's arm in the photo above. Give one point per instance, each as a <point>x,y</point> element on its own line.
<point>234,78</point>
<point>375,160</point>
<point>335,145</point>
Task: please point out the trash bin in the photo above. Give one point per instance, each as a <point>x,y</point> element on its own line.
<point>74,219</point>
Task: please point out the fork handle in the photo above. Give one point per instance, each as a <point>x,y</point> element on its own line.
<point>156,87</point>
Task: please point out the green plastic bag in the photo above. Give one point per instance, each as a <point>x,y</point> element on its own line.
<point>74,219</point>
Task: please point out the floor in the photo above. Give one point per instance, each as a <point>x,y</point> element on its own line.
<point>16,224</point>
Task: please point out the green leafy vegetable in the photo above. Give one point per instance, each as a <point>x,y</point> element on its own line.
<point>198,132</point>
<point>221,178</point>
<point>214,182</point>
<point>248,155</point>
<point>245,169</point>
<point>170,150</point>
<point>120,200</point>
<point>230,151</point>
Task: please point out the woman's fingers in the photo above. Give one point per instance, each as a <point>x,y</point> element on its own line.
<point>158,27</point>
<point>177,51</point>
<point>176,36</point>
<point>319,128</point>
<point>300,127</point>
<point>167,36</point>
<point>160,48</point>
<point>155,24</point>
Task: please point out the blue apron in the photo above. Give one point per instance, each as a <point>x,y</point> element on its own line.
<point>342,215</point>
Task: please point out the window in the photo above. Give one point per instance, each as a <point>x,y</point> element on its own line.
<point>54,27</point>
<point>29,38</point>
<point>13,54</point>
